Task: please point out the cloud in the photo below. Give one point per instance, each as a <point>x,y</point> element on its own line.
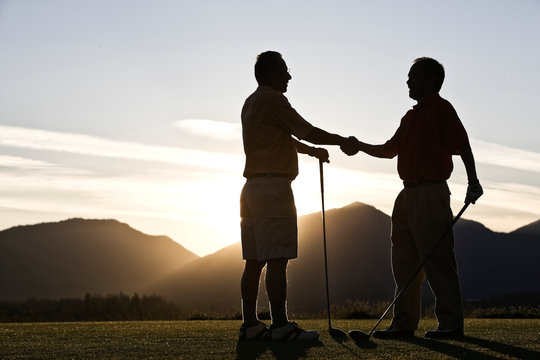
<point>213,129</point>
<point>96,146</point>
<point>23,163</point>
<point>20,164</point>
<point>504,156</point>
<point>206,197</point>
<point>485,152</point>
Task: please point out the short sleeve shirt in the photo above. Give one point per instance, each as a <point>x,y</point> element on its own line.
<point>429,134</point>
<point>268,121</point>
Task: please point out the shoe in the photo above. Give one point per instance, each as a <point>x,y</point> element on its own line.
<point>393,333</point>
<point>291,332</point>
<point>255,332</point>
<point>444,333</point>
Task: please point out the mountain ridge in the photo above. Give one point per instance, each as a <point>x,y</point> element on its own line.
<point>358,244</point>
<point>76,256</point>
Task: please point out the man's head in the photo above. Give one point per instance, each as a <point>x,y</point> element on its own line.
<point>425,78</point>
<point>271,70</point>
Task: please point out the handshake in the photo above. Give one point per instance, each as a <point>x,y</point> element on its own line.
<point>350,146</point>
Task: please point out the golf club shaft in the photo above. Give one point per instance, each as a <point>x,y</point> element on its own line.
<point>324,243</point>
<point>420,266</point>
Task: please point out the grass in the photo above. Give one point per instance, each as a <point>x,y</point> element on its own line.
<point>216,339</point>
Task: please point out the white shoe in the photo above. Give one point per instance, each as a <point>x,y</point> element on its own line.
<point>292,332</point>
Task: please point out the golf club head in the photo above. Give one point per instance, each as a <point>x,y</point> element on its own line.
<point>337,333</point>
<point>359,336</point>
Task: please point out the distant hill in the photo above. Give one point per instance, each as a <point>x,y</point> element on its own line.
<point>358,255</point>
<point>358,238</point>
<point>493,264</point>
<point>531,229</point>
<point>76,256</point>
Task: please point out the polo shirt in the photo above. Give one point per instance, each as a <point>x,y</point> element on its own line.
<point>268,121</point>
<point>427,137</point>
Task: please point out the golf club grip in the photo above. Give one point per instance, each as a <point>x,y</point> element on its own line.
<point>456,218</point>
<point>322,179</point>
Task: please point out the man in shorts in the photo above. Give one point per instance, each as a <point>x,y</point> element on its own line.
<point>267,208</point>
<point>429,134</point>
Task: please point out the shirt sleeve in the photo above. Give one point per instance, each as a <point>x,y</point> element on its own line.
<point>393,143</point>
<point>455,136</point>
<point>289,118</point>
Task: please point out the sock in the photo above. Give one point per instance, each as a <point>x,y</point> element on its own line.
<point>249,312</point>
<point>278,310</point>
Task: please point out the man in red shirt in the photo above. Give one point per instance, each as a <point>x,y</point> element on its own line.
<point>429,134</point>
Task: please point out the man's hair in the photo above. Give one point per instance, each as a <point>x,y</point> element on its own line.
<point>266,62</point>
<point>432,69</point>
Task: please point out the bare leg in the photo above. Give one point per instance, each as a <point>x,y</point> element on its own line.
<point>276,287</point>
<point>249,286</point>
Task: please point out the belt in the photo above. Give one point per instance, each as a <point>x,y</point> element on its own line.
<point>416,183</point>
<point>270,175</point>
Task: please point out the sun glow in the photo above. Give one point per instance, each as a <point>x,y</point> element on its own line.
<point>193,196</point>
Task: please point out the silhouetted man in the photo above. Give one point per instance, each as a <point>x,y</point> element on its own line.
<point>269,227</point>
<point>429,134</point>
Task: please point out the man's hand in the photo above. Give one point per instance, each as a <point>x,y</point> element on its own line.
<point>321,154</point>
<point>350,146</point>
<point>474,191</point>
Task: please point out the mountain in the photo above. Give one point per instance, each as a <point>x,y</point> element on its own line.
<point>531,229</point>
<point>493,264</point>
<point>358,261</point>
<point>76,256</point>
<point>358,247</point>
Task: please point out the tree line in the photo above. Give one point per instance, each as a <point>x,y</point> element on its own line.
<point>116,307</point>
<point>122,307</point>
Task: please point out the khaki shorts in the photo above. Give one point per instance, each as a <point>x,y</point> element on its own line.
<point>269,228</point>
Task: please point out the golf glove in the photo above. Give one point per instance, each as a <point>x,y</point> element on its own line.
<point>474,191</point>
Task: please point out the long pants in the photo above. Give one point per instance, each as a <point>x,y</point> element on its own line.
<point>421,216</point>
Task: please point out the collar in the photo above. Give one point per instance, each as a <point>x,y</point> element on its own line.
<point>265,87</point>
<point>430,100</point>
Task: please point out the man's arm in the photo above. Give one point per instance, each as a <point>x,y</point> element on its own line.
<point>320,137</point>
<point>474,190</point>
<point>319,153</point>
<point>379,151</point>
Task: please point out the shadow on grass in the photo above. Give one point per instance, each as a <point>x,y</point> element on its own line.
<point>503,349</point>
<point>460,352</point>
<point>340,338</point>
<point>366,344</point>
<point>280,350</point>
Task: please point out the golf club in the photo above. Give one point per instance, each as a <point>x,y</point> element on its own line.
<point>334,332</point>
<point>358,335</point>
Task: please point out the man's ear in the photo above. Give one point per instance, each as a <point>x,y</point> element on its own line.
<point>431,82</point>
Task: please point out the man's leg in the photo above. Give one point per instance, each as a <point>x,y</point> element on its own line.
<point>249,286</point>
<point>441,272</point>
<point>276,287</point>
<point>441,268</point>
<point>405,260</point>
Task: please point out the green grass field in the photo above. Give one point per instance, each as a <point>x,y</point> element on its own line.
<point>485,339</point>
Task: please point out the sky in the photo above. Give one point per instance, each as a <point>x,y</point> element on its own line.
<point>131,109</point>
